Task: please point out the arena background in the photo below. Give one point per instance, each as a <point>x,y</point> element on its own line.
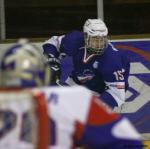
<point>38,20</point>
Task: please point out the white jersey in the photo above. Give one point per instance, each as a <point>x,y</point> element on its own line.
<point>71,109</point>
<point>15,130</point>
<point>68,108</point>
<point>59,117</point>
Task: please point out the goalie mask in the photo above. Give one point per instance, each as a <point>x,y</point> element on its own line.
<point>23,65</point>
<point>95,35</point>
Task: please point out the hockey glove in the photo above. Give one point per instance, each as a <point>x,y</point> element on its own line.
<point>54,64</point>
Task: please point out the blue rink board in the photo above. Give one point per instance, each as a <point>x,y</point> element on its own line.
<point>139,51</point>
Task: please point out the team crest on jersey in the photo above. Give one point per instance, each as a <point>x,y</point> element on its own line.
<point>86,75</point>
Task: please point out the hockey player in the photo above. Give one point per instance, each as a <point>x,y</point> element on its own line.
<point>76,116</point>
<point>96,63</point>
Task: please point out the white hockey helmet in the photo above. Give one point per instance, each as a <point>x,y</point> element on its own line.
<point>95,34</point>
<point>23,65</point>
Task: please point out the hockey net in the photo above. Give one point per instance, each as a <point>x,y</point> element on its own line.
<point>23,120</point>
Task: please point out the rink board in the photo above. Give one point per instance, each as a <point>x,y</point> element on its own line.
<point>137,106</point>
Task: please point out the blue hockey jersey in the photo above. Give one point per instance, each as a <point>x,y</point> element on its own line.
<point>105,74</point>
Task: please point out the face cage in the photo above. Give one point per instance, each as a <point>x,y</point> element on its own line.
<point>96,44</point>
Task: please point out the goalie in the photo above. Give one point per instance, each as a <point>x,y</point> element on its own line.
<point>73,116</point>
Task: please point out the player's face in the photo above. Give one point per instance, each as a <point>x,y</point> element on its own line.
<point>97,42</point>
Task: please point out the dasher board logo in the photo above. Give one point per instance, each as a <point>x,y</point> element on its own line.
<point>138,53</point>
